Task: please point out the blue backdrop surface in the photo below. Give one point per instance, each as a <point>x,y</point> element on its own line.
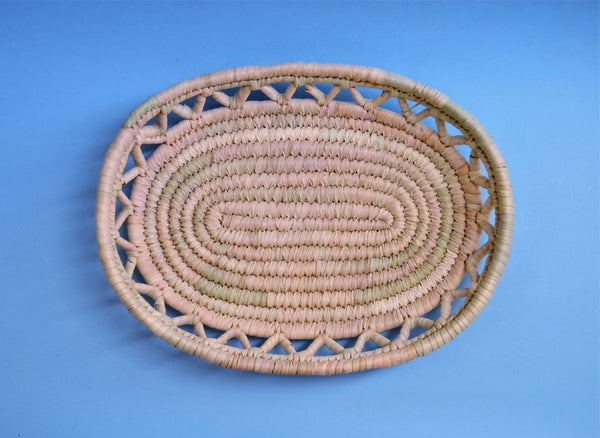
<point>73,362</point>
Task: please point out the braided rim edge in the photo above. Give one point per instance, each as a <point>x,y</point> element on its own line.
<point>347,76</point>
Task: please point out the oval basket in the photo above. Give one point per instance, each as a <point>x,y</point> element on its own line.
<point>303,218</point>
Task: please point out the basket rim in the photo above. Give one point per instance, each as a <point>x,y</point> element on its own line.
<point>300,72</point>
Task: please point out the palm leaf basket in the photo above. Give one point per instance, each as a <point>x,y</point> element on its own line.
<point>303,218</point>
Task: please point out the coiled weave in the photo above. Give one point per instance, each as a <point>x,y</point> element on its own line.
<point>272,217</point>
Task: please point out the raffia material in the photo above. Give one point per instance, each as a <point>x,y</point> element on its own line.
<point>275,218</point>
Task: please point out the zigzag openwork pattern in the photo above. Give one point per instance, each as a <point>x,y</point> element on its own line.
<point>303,218</point>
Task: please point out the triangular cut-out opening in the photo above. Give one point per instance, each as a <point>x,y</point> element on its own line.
<point>173,119</point>
<point>430,123</point>
<point>324,87</point>
<point>148,299</point>
<point>190,102</point>
<point>211,103</point>
<point>122,255</point>
<point>188,328</point>
<point>130,164</point>
<point>452,130</point>
<point>344,95</point>
<point>368,92</point>
<point>482,263</point>
<point>230,91</point>
<point>151,122</point>
<point>416,107</point>
<point>137,276</point>
<point>370,345</point>
<point>411,103</point>
<point>278,350</point>
<point>172,312</point>
<point>235,342</point>
<point>123,231</point>
<point>391,105</point>
<point>280,87</point>
<point>483,170</point>
<point>148,149</point>
<point>464,283</point>
<point>464,150</point>
<point>127,188</point>
<point>417,331</point>
<point>256,341</point>
<point>346,342</point>
<point>301,93</point>
<point>324,351</point>
<point>433,314</point>
<point>118,208</point>
<point>457,304</point>
<point>301,344</point>
<point>484,195</point>
<point>392,333</point>
<point>257,96</point>
<point>212,332</point>
<point>483,238</point>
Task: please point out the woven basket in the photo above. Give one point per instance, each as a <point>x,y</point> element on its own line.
<point>303,218</point>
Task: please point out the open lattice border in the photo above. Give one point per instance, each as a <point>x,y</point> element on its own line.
<point>155,121</point>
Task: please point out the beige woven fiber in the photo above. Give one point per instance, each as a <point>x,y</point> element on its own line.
<point>303,218</point>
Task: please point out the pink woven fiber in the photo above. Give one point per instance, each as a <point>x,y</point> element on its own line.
<point>271,209</point>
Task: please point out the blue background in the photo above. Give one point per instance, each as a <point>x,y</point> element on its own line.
<point>73,362</point>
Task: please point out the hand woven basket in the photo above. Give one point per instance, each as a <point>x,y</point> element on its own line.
<point>303,218</point>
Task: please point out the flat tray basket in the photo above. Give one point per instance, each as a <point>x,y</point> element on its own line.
<point>303,218</point>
